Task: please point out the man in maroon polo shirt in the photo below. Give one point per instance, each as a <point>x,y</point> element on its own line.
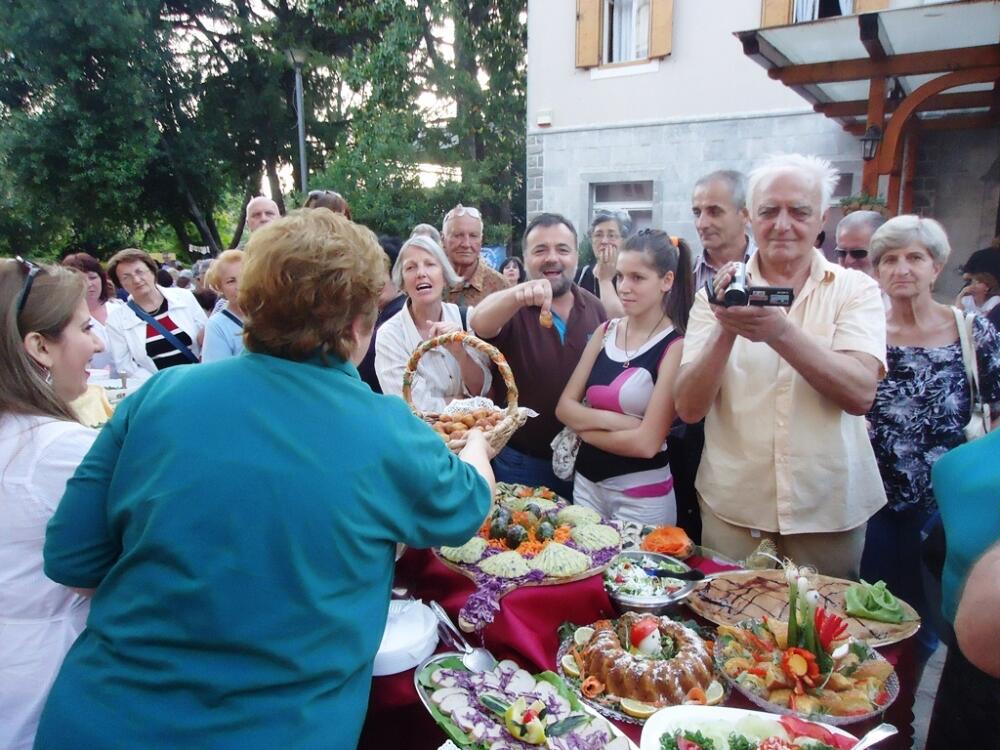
<point>542,326</point>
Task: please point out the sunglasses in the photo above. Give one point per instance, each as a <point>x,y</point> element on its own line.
<point>321,193</point>
<point>857,254</point>
<point>461,210</point>
<point>33,271</point>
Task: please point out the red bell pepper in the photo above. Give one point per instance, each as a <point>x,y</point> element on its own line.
<point>829,627</point>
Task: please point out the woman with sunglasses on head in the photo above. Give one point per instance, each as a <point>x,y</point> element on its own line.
<point>46,342</point>
<point>330,199</point>
<point>158,327</point>
<point>620,397</point>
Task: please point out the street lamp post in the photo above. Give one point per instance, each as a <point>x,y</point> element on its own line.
<point>297,57</point>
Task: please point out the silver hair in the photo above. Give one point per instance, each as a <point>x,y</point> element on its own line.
<point>819,170</point>
<point>735,181</point>
<point>427,230</point>
<point>621,218</point>
<point>425,243</point>
<point>906,230</point>
<point>870,220</point>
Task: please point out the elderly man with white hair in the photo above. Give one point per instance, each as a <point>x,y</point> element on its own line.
<point>462,232</point>
<point>784,391</point>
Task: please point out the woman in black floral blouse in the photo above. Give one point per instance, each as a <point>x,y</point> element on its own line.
<point>922,404</point>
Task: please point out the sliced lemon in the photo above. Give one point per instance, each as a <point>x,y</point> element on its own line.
<point>714,693</point>
<point>583,635</point>
<point>638,709</point>
<point>569,666</point>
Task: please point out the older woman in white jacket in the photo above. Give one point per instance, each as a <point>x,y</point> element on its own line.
<point>137,347</point>
<point>423,272</point>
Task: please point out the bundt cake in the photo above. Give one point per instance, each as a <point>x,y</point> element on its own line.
<point>660,681</point>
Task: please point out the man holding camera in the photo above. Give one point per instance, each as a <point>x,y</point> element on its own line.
<point>784,383</point>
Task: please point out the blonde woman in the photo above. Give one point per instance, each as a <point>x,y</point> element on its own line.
<point>46,341</point>
<point>224,330</point>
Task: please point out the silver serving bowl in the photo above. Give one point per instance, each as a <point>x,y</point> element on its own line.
<point>655,605</point>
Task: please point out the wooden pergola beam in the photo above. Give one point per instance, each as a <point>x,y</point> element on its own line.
<point>961,100</point>
<point>890,150</point>
<point>874,37</point>
<point>916,63</point>
<point>762,52</point>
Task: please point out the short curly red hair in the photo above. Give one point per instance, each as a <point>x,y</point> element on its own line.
<point>306,278</point>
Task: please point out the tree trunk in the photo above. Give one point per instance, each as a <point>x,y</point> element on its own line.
<point>272,180</point>
<point>196,215</point>
<point>242,223</point>
<point>181,231</point>
<point>210,221</point>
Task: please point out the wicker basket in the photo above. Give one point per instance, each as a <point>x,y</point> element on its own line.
<point>513,416</point>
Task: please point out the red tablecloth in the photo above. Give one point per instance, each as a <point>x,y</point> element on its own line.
<point>525,630</point>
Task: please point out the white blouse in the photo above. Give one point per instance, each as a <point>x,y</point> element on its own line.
<point>39,619</point>
<point>439,376</point>
<point>102,360</point>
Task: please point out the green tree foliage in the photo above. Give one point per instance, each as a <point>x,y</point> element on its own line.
<point>469,56</point>
<point>132,121</point>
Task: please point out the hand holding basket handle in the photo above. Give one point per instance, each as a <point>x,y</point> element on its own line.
<point>513,417</point>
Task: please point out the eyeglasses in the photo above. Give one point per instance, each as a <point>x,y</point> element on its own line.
<point>857,253</point>
<point>461,210</point>
<point>33,271</point>
<point>601,236</point>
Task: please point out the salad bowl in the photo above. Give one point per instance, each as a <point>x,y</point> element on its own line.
<point>638,581</point>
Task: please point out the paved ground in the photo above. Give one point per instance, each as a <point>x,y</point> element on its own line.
<point>925,697</point>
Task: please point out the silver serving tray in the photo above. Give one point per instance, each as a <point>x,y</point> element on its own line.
<point>425,698</point>
<point>654,605</point>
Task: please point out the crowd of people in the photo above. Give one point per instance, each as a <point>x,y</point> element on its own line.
<point>817,422</point>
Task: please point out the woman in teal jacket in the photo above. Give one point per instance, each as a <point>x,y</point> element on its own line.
<point>967,486</point>
<point>240,593</point>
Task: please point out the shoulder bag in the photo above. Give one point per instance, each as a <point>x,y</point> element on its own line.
<point>566,444</point>
<point>173,340</point>
<point>979,418</point>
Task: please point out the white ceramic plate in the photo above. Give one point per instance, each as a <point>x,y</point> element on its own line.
<point>686,717</point>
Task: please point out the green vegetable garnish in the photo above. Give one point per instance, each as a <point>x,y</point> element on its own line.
<point>669,741</point>
<point>873,601</point>
<point>739,742</point>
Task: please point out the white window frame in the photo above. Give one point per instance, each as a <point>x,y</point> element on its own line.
<point>629,206</point>
<point>639,47</point>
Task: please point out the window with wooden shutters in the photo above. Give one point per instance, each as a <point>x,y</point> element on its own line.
<point>621,31</point>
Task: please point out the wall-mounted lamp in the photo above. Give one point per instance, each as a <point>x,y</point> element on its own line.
<point>870,141</point>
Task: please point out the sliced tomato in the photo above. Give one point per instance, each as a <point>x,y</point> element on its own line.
<point>686,744</point>
<point>799,728</point>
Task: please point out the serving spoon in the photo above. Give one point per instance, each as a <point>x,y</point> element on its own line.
<point>688,575</point>
<point>476,659</point>
<point>875,736</point>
